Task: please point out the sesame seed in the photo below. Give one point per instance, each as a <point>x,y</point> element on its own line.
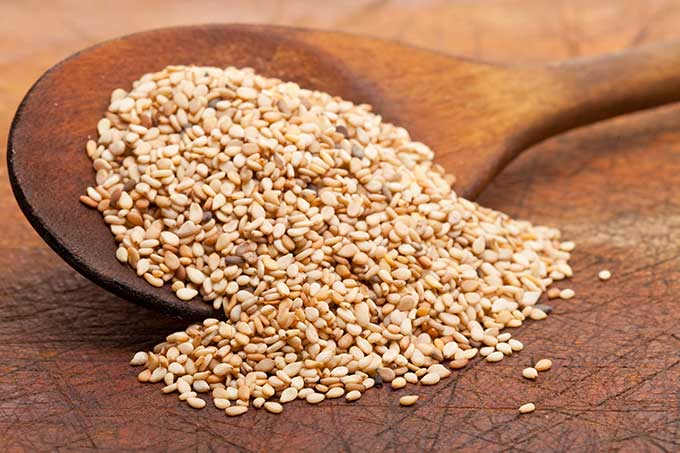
<point>398,383</point>
<point>196,403</point>
<point>139,359</point>
<point>430,379</point>
<point>274,408</point>
<point>567,293</point>
<point>496,356</point>
<point>543,365</point>
<point>353,395</point>
<point>408,400</point>
<point>527,408</point>
<point>335,250</point>
<point>235,411</point>
<point>604,275</point>
<point>530,373</point>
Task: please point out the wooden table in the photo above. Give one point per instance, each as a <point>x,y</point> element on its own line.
<point>613,188</point>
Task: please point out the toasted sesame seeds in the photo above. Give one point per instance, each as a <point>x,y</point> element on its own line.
<point>604,275</point>
<point>337,252</point>
<point>408,400</point>
<point>527,408</point>
<point>543,365</point>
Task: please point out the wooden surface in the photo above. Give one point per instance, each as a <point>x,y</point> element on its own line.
<point>613,188</point>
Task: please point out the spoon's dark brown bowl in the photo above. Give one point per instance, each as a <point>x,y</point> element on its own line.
<point>476,116</point>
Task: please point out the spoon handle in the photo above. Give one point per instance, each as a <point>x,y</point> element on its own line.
<point>595,89</point>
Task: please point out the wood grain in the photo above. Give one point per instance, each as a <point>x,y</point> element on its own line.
<point>64,382</point>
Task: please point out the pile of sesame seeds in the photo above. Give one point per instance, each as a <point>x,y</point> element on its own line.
<point>337,250</point>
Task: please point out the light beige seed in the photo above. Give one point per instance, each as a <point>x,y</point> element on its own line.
<point>235,411</point>
<point>196,403</point>
<point>351,396</point>
<point>604,275</point>
<point>496,356</point>
<point>527,408</point>
<point>515,345</point>
<point>186,396</point>
<point>543,365</point>
<point>335,392</point>
<point>553,293</point>
<point>183,386</point>
<point>430,379</point>
<point>408,400</point>
<point>274,408</point>
<point>139,359</point>
<point>458,364</point>
<point>288,395</point>
<point>538,315</point>
<point>504,348</point>
<point>530,373</point>
<point>440,370</point>
<point>398,383</point>
<point>411,378</point>
<point>186,293</point>
<point>314,398</point>
<point>221,403</point>
<point>567,293</point>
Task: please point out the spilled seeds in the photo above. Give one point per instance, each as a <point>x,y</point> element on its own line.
<point>335,248</point>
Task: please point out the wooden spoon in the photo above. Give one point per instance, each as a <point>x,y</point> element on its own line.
<point>476,116</point>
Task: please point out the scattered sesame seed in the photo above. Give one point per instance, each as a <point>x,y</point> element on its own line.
<point>234,411</point>
<point>567,293</point>
<point>530,373</point>
<point>604,275</point>
<point>543,365</point>
<point>408,400</point>
<point>527,408</point>
<point>196,403</point>
<point>398,383</point>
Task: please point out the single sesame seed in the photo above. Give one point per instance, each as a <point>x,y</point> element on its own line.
<point>496,356</point>
<point>353,395</point>
<point>408,400</point>
<point>530,373</point>
<point>196,403</point>
<point>398,383</point>
<point>274,408</point>
<point>139,359</point>
<point>567,293</point>
<point>604,275</point>
<point>430,379</point>
<point>527,408</point>
<point>543,365</point>
<point>235,411</point>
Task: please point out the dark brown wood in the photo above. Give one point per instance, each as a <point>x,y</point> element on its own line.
<point>64,380</point>
<point>477,116</point>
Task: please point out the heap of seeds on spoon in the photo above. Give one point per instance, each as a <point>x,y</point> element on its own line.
<point>336,249</point>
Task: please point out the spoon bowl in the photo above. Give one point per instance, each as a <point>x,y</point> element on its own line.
<point>475,116</point>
